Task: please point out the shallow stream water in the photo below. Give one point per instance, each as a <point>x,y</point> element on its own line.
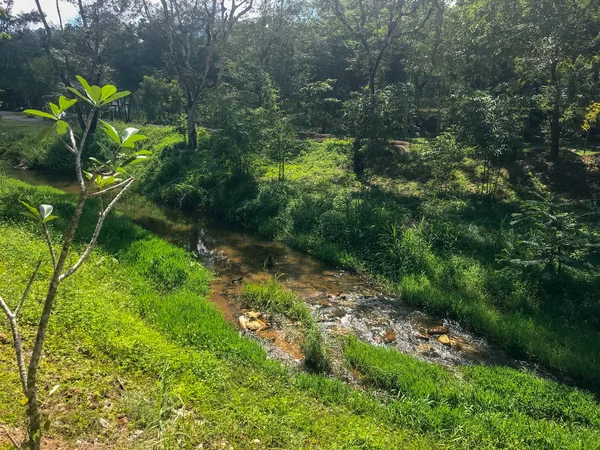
<point>343,303</point>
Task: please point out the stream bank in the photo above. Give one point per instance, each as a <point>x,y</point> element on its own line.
<point>343,303</point>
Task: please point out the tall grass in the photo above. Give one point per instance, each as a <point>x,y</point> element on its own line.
<point>273,298</point>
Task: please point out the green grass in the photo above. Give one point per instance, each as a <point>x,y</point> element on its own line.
<point>500,401</point>
<point>435,242</point>
<point>271,297</point>
<point>154,330</point>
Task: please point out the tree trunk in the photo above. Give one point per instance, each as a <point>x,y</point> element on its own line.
<point>358,158</point>
<point>555,132</point>
<point>372,81</point>
<point>191,126</point>
<point>555,117</point>
<point>34,425</point>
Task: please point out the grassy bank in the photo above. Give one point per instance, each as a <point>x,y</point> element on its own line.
<point>136,317</point>
<point>428,235</point>
<point>441,248</point>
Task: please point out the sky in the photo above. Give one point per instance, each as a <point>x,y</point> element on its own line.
<point>67,10</point>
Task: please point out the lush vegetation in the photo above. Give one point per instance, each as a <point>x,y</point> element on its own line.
<point>179,362</point>
<point>437,242</point>
<point>449,149</point>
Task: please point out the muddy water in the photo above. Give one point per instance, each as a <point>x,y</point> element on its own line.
<point>343,303</point>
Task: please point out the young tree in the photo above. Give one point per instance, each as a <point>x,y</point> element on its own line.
<point>590,120</point>
<point>319,104</point>
<point>549,235</point>
<point>107,180</point>
<point>491,125</point>
<point>197,32</point>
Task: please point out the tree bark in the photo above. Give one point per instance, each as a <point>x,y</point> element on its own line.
<point>191,126</point>
<point>555,115</point>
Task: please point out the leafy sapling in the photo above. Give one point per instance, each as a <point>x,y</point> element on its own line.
<point>108,179</point>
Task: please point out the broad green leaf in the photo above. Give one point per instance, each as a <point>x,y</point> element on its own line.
<point>88,175</point>
<point>105,149</point>
<point>96,93</point>
<point>50,218</point>
<point>111,132</point>
<point>55,109</point>
<point>137,160</point>
<point>65,103</point>
<point>130,141</point>
<point>79,94</point>
<point>107,91</point>
<point>128,132</point>
<point>45,132</point>
<point>61,127</point>
<point>105,181</point>
<point>29,207</point>
<point>30,215</point>
<point>32,212</point>
<point>97,161</point>
<point>117,96</point>
<point>143,152</point>
<point>35,112</point>
<point>85,85</point>
<point>45,210</point>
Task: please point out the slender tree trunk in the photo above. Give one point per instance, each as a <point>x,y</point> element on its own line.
<point>555,117</point>
<point>191,126</point>
<point>372,81</point>
<point>34,425</point>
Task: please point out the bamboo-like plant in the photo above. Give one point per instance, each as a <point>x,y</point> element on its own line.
<point>108,180</point>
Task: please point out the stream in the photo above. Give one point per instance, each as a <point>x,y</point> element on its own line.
<point>343,303</point>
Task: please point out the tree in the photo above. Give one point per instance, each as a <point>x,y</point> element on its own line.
<point>549,235</point>
<point>110,180</point>
<point>197,33</point>
<point>4,20</point>
<point>555,34</point>
<point>318,104</point>
<point>161,100</point>
<point>590,119</point>
<point>492,126</point>
<point>375,24</point>
<point>82,47</point>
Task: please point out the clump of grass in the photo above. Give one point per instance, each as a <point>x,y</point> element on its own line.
<point>273,298</point>
<point>316,355</point>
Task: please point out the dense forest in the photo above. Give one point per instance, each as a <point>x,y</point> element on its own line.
<point>443,156</point>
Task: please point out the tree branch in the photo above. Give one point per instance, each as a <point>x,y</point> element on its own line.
<point>108,189</point>
<point>99,224</point>
<point>49,242</point>
<point>26,291</point>
<point>16,344</point>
